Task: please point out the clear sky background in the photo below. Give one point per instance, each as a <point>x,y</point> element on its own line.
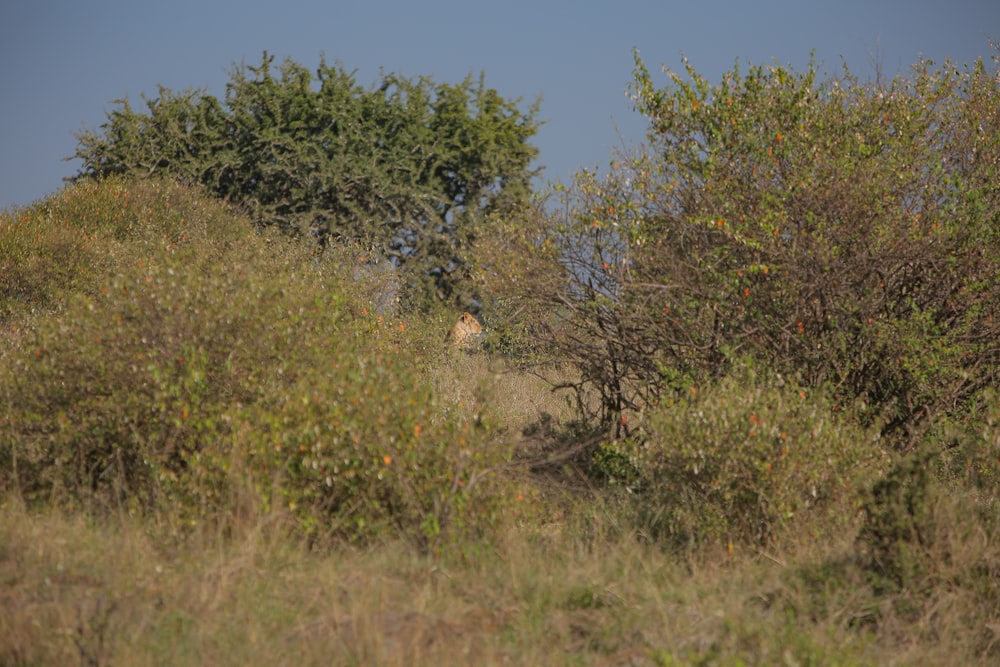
<point>62,62</point>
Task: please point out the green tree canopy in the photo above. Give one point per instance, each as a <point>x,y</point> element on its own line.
<point>408,167</point>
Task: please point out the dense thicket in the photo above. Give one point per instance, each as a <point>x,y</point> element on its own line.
<point>840,233</point>
<point>185,366</point>
<point>407,167</point>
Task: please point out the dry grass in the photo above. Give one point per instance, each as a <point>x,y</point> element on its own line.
<point>481,383</point>
<point>569,589</point>
<point>79,593</point>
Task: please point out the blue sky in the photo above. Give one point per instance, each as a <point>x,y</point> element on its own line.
<point>62,62</point>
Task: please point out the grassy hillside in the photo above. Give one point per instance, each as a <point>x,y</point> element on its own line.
<point>217,447</point>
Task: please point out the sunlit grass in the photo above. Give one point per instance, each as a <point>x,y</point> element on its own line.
<point>77,591</point>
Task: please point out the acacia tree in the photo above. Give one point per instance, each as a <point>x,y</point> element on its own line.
<point>840,232</point>
<point>410,168</point>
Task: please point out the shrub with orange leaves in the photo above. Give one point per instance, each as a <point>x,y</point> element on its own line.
<point>823,268</point>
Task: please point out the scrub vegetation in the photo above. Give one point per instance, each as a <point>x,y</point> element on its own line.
<point>734,400</point>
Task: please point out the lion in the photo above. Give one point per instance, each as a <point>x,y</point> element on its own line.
<point>466,331</point>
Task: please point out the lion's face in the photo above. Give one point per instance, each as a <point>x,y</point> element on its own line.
<point>466,330</point>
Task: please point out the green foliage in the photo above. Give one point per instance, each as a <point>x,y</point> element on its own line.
<point>921,518</point>
<point>612,464</point>
<point>366,450</point>
<point>928,551</point>
<point>747,460</point>
<point>38,262</point>
<point>407,167</point>
<point>200,379</point>
<point>70,243</point>
<point>899,515</point>
<point>844,233</point>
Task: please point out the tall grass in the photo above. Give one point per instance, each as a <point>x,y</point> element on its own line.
<point>78,592</point>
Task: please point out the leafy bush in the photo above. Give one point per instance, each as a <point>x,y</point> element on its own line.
<point>71,242</point>
<point>38,263</point>
<point>367,452</point>
<point>407,167</point>
<point>195,379</point>
<point>844,233</point>
<point>745,460</point>
<point>900,518</point>
<point>934,516</point>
